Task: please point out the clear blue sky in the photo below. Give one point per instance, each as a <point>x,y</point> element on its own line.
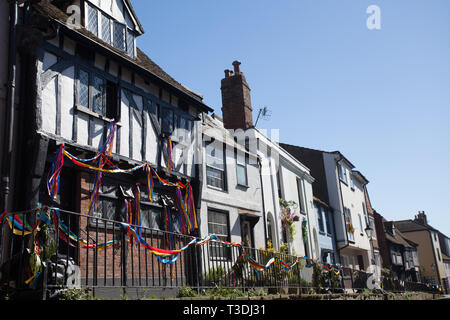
<point>381,97</point>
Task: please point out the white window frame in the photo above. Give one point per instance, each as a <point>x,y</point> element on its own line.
<point>241,162</point>
<point>214,247</point>
<point>215,164</point>
<point>348,214</point>
<point>342,172</point>
<point>301,195</point>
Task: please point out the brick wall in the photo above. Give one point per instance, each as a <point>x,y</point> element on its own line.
<point>236,102</point>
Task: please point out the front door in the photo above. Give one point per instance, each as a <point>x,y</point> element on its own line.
<point>361,262</point>
<point>247,234</point>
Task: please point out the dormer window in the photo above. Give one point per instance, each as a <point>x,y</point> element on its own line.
<point>115,33</point>
<point>92,19</point>
<point>106,28</point>
<point>119,36</point>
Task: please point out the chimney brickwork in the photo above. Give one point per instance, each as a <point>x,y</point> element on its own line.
<point>236,103</point>
<point>421,218</point>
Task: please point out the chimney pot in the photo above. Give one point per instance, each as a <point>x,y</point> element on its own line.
<point>236,65</point>
<point>227,73</point>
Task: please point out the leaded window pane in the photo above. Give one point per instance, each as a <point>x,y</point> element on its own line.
<point>167,121</point>
<point>92,20</point>
<point>83,98</point>
<point>98,95</point>
<point>106,29</point>
<point>119,36</point>
<point>130,44</point>
<point>151,217</point>
<point>107,208</point>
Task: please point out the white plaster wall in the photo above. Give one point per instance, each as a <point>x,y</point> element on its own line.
<point>49,100</point>
<point>354,200</point>
<point>67,102</point>
<point>83,129</point>
<point>125,126</point>
<point>97,135</point>
<point>137,130</point>
<point>151,145</point>
<point>290,170</point>
<point>235,197</point>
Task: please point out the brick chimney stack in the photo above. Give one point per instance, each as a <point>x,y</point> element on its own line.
<point>236,104</point>
<point>421,218</point>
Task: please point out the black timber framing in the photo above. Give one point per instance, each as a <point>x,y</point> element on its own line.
<point>126,62</point>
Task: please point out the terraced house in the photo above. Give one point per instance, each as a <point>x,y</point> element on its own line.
<point>338,184</point>
<point>279,175</point>
<point>432,264</point>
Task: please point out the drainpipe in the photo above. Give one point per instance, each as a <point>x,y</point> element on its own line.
<point>263,204</point>
<point>9,109</point>
<point>9,115</point>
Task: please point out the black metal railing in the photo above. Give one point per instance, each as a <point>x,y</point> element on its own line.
<point>89,252</point>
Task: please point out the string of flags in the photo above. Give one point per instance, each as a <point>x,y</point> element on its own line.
<point>165,256</point>
<point>184,193</point>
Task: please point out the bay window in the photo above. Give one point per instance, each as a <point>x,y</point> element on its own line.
<point>119,35</point>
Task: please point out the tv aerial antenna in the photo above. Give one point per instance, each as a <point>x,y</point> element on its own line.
<point>263,113</point>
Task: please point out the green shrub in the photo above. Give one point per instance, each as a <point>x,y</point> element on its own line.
<point>186,291</point>
<point>76,294</point>
<point>222,292</point>
<point>215,275</point>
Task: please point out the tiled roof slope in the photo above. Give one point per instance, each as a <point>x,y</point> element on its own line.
<point>411,225</point>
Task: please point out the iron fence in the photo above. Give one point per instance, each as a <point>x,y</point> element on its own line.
<point>88,252</point>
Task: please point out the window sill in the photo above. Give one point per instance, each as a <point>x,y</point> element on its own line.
<point>216,188</point>
<point>151,204</point>
<point>93,114</point>
<point>243,186</point>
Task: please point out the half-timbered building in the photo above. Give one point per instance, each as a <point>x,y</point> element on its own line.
<point>90,91</point>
